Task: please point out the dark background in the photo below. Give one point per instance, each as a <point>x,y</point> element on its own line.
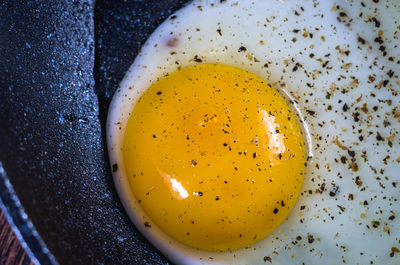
<point>60,64</point>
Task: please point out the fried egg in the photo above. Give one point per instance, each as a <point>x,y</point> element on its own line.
<point>252,132</point>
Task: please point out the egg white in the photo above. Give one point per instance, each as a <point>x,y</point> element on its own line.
<point>326,225</point>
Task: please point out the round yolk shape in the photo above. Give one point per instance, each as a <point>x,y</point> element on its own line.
<point>214,156</point>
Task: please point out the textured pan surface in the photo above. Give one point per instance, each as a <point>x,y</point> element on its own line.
<point>60,65</point>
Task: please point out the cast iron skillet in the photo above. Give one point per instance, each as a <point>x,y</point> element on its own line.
<point>59,66</point>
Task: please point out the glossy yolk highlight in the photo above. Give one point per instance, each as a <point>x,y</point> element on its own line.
<point>214,156</point>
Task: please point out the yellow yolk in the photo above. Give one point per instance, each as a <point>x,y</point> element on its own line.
<point>214,156</point>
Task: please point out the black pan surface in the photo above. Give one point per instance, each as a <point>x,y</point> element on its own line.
<point>60,64</point>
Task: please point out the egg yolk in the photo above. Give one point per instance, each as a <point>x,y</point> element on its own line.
<point>214,156</point>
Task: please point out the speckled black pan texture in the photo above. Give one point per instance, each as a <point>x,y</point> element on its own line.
<point>61,61</point>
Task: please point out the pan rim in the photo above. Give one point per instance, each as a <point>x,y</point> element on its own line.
<point>20,223</point>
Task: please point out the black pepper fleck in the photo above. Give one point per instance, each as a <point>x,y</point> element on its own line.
<point>242,49</point>
<point>197,59</point>
<point>310,239</point>
<point>351,153</point>
<point>114,167</point>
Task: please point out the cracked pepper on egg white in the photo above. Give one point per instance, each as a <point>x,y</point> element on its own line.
<point>248,132</point>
